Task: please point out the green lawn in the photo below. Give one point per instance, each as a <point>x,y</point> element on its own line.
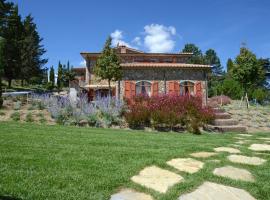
<point>54,162</point>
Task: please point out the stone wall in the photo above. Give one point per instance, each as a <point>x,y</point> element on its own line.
<point>165,75</point>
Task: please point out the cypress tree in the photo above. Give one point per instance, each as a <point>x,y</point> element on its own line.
<point>51,76</point>
<point>60,77</point>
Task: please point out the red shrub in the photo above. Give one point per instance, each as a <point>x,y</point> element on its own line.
<point>168,110</point>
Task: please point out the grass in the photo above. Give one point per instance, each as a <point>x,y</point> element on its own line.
<point>57,162</point>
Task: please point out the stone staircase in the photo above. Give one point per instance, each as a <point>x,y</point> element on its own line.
<point>224,123</point>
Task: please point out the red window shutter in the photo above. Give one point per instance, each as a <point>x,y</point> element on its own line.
<point>171,87</point>
<point>155,89</point>
<point>130,89</point>
<point>174,87</point>
<point>127,90</point>
<point>198,87</point>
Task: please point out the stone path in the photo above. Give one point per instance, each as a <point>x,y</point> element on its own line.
<point>246,160</point>
<point>214,191</point>
<point>260,147</point>
<point>245,135</point>
<point>203,154</point>
<point>161,180</point>
<point>157,179</point>
<point>188,165</point>
<point>227,149</point>
<point>234,173</point>
<point>128,194</point>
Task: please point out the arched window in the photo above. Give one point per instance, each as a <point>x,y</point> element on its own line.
<point>143,87</point>
<point>187,88</point>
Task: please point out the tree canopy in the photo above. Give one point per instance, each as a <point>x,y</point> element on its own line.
<point>108,64</point>
<point>248,70</point>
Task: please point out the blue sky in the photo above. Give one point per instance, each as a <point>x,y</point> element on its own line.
<point>71,27</point>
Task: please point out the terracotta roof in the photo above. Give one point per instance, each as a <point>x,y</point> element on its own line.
<point>163,65</point>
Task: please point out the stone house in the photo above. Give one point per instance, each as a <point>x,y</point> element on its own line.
<point>149,73</point>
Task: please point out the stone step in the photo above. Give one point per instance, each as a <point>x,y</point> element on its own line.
<point>224,122</point>
<point>223,129</point>
<point>219,110</point>
<point>222,116</point>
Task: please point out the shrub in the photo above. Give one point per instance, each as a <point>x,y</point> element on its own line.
<point>2,113</point>
<point>15,116</point>
<point>168,110</point>
<point>103,112</point>
<point>17,105</point>
<point>42,119</point>
<point>29,117</point>
<point>260,95</point>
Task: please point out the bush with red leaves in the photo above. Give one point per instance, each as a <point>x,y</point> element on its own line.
<point>168,110</point>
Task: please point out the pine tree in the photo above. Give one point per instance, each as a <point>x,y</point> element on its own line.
<point>197,57</point>
<point>108,64</point>
<point>212,59</point>
<point>60,77</point>
<point>31,51</point>
<point>13,35</point>
<point>2,63</point>
<point>52,76</point>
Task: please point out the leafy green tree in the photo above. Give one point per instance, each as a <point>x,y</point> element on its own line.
<point>108,64</point>
<point>197,57</point>
<point>230,65</point>
<point>52,76</point>
<point>31,51</point>
<point>12,32</point>
<point>2,63</point>
<point>260,94</point>
<point>212,59</point>
<point>248,70</point>
<point>60,77</point>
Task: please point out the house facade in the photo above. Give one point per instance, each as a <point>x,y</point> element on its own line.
<point>150,74</point>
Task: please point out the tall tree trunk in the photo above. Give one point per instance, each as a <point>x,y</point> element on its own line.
<point>1,100</point>
<point>110,93</point>
<point>9,83</point>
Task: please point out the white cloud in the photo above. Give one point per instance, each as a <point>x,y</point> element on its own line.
<point>156,38</point>
<point>137,41</point>
<point>83,63</point>
<point>159,38</point>
<point>117,38</point>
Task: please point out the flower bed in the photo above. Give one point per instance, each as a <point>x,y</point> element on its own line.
<point>168,111</point>
<point>102,113</point>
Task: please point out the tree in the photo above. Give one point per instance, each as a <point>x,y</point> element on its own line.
<point>108,64</point>
<point>197,57</point>
<point>248,70</point>
<point>230,65</point>
<point>12,32</point>
<point>31,51</point>
<point>60,77</point>
<point>212,59</point>
<point>68,75</point>
<point>2,63</point>
<point>5,9</point>
<point>52,76</point>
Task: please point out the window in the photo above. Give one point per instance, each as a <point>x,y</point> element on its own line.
<point>187,88</point>
<point>143,87</point>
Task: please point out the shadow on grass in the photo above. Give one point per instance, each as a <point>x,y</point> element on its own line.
<point>9,198</point>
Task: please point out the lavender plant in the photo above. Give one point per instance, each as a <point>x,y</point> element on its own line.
<point>103,112</point>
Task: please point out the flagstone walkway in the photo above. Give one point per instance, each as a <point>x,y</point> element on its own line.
<point>161,180</point>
